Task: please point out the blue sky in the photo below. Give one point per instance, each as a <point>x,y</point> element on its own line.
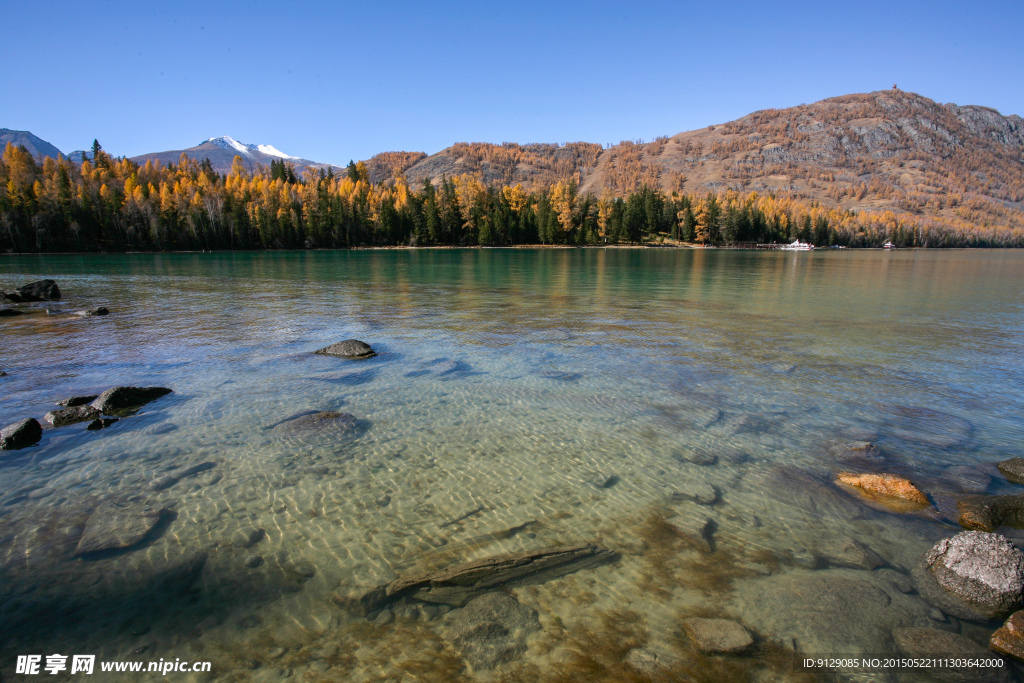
<point>333,81</point>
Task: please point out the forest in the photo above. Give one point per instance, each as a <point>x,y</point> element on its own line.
<point>114,204</point>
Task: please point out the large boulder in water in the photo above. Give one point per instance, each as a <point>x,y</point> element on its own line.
<point>41,290</point>
<point>71,415</point>
<point>22,434</point>
<point>121,399</point>
<point>974,575</point>
<point>350,348</point>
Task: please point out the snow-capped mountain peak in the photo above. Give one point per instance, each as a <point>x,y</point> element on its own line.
<point>244,149</point>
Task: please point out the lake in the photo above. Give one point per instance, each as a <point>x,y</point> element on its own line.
<point>686,411</point>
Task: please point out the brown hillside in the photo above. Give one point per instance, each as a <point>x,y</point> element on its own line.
<point>868,152</point>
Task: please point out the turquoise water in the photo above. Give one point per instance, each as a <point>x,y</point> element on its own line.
<point>582,389</point>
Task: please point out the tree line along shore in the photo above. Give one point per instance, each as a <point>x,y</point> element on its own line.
<point>115,204</point>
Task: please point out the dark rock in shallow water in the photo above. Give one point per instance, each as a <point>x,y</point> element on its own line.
<point>716,636</point>
<point>90,312</point>
<point>253,561</point>
<point>22,434</point>
<point>10,312</point>
<point>70,416</point>
<point>1009,638</point>
<point>171,478</point>
<point>117,526</point>
<point>927,643</point>
<point>1012,469</point>
<point>492,629</point>
<point>350,348</point>
<point>459,584</point>
<point>122,399</point>
<point>699,492</point>
<point>987,513</point>
<point>325,422</point>
<point>692,524</point>
<point>974,575</point>
<point>73,401</point>
<point>803,490</point>
<point>100,423</point>
<point>41,290</point>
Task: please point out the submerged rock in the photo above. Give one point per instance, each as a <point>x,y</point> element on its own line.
<point>889,490</point>
<point>115,526</point>
<point>987,513</point>
<point>492,629</point>
<point>10,312</point>
<point>929,643</point>
<point>317,423</point>
<point>929,427</point>
<point>1008,639</point>
<point>90,312</point>
<point>716,636</point>
<point>966,479</point>
<point>805,491</point>
<point>459,584</point>
<point>862,454</point>
<point>1012,469</point>
<point>973,575</point>
<point>22,434</point>
<point>846,552</point>
<point>699,492</point>
<point>73,401</point>
<point>172,478</point>
<point>350,348</point>
<point>100,423</point>
<point>70,416</point>
<point>836,611</point>
<point>692,524</point>
<point>122,399</point>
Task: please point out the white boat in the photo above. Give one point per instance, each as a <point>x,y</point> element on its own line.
<point>798,246</point>
<point>888,245</point>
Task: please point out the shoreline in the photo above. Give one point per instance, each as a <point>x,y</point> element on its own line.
<point>681,247</point>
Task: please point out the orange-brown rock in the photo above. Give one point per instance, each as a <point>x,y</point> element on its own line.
<point>889,490</point>
<point>1009,638</point>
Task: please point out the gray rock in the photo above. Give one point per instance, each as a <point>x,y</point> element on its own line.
<point>70,416</point>
<point>350,348</point>
<point>73,401</point>
<point>253,561</point>
<point>699,492</point>
<point>492,630</point>
<point>101,423</point>
<point>21,434</point>
<point>1012,469</point>
<point>834,611</point>
<point>115,525</point>
<point>90,312</point>
<point>459,584</point>
<point>927,643</point>
<point>846,552</point>
<point>604,481</point>
<point>984,572</point>
<point>325,422</point>
<point>717,635</point>
<point>122,399</point>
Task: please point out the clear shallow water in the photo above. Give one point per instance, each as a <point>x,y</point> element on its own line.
<point>573,368</point>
